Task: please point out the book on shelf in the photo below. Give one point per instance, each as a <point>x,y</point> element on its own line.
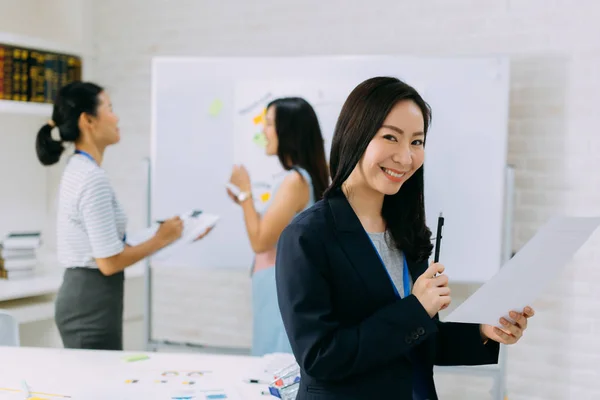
<point>18,254</point>
<point>33,75</point>
<point>18,274</point>
<point>6,90</point>
<point>14,264</point>
<point>22,241</point>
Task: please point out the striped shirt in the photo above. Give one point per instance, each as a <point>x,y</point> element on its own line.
<point>90,223</point>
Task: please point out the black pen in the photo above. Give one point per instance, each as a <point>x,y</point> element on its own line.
<point>438,238</point>
<point>251,380</point>
<point>194,214</point>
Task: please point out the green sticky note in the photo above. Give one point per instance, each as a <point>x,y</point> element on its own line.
<point>260,140</point>
<point>215,107</point>
<point>136,357</point>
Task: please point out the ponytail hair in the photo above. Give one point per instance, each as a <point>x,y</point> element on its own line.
<point>72,100</point>
<point>48,150</point>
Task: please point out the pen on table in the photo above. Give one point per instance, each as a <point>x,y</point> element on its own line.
<point>26,389</point>
<point>256,381</point>
<point>438,240</point>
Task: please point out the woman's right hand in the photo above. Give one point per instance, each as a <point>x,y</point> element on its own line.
<point>170,230</point>
<point>432,291</point>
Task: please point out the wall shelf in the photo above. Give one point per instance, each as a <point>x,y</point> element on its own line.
<point>39,44</point>
<point>25,108</point>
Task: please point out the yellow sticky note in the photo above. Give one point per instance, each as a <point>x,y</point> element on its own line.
<point>260,118</point>
<point>215,107</point>
<point>265,197</point>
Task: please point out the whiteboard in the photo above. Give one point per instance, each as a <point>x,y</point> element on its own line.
<point>206,117</point>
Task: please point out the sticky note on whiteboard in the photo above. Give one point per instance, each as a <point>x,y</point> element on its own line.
<point>260,139</point>
<point>260,118</point>
<point>215,107</point>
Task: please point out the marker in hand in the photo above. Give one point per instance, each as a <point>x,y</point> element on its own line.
<point>438,239</point>
<point>432,290</point>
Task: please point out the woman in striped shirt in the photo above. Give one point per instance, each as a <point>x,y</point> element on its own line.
<point>91,223</point>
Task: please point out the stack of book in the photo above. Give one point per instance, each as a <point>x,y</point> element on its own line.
<point>18,255</point>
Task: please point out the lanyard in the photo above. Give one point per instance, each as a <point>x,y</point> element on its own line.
<point>405,274</point>
<point>85,154</point>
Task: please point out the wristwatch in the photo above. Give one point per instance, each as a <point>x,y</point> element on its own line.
<point>243,196</point>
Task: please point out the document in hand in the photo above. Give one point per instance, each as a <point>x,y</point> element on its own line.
<point>523,278</point>
<point>195,223</point>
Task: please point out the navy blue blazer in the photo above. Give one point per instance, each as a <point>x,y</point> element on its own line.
<point>352,337</point>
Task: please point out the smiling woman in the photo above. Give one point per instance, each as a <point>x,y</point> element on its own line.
<point>358,300</point>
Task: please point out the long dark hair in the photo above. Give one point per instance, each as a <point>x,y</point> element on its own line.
<point>300,140</point>
<point>71,101</point>
<point>361,117</point>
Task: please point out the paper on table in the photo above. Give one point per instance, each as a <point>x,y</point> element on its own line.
<point>193,226</point>
<point>522,279</point>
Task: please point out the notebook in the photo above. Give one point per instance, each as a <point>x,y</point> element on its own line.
<point>195,223</point>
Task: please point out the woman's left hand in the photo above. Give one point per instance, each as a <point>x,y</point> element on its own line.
<point>510,333</point>
<point>240,178</point>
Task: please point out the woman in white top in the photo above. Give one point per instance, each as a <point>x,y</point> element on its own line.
<point>293,135</point>
<point>91,223</point>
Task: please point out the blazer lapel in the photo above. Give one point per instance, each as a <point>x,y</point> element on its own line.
<point>416,268</point>
<point>359,249</point>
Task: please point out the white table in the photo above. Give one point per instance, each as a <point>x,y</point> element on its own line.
<point>31,302</point>
<point>102,375</point>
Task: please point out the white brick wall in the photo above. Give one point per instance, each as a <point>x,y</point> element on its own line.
<point>554,141</point>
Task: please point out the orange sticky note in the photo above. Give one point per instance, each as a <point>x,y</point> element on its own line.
<point>260,118</point>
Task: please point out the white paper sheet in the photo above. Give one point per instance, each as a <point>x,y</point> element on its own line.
<point>193,226</point>
<point>523,278</point>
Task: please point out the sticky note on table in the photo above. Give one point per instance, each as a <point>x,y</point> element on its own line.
<point>215,107</point>
<point>260,140</point>
<point>136,357</point>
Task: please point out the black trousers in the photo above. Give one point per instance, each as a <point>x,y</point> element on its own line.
<point>89,309</point>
